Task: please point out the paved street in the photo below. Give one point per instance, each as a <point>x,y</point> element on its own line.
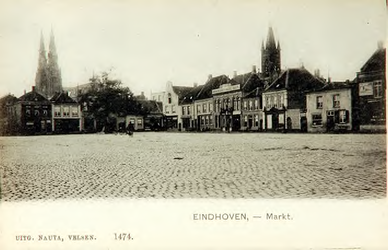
<point>193,165</point>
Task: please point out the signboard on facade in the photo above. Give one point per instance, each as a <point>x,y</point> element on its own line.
<point>366,88</point>
<point>226,88</point>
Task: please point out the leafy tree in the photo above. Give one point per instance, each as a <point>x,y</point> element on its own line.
<point>106,98</point>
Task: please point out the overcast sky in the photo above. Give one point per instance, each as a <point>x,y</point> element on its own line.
<point>148,43</point>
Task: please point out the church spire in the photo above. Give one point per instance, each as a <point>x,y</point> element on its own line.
<point>53,68</point>
<point>41,80</point>
<point>270,44</point>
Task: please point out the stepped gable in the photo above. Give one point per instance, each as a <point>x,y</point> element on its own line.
<point>297,79</point>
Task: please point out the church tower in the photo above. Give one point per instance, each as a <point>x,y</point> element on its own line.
<point>48,78</point>
<point>270,56</point>
<point>41,77</point>
<point>54,73</point>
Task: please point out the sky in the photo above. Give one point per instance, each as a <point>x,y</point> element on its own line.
<point>145,44</point>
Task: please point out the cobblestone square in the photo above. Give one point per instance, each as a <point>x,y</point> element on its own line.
<point>193,165</point>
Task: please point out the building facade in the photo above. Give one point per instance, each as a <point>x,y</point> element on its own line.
<point>371,81</point>
<point>284,102</point>
<point>331,108</point>
<point>66,114</point>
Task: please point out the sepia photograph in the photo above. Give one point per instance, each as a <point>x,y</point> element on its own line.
<point>254,124</point>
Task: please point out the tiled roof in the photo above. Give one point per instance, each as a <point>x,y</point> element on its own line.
<point>254,93</point>
<point>151,106</point>
<point>335,85</point>
<point>212,83</point>
<point>181,91</point>
<point>297,79</point>
<point>32,96</point>
<point>191,96</point>
<point>248,81</point>
<point>62,97</point>
<point>376,62</point>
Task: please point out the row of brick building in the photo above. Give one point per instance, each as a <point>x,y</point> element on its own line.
<point>280,100</point>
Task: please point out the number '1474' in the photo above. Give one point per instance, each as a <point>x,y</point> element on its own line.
<point>123,236</point>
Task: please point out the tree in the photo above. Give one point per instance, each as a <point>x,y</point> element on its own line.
<point>104,100</point>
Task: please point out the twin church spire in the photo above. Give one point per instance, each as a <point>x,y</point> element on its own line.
<point>48,78</point>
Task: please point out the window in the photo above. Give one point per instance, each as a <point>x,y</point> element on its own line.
<point>169,98</point>
<point>319,102</point>
<point>238,103</point>
<point>256,120</point>
<point>166,110</point>
<point>57,111</point>
<point>44,112</point>
<point>158,98</point>
<point>317,119</point>
<point>132,121</point>
<point>66,111</point>
<point>281,101</point>
<point>204,107</point>
<point>173,109</point>
<point>210,107</point>
<point>245,121</point>
<point>343,116</point>
<point>267,101</point>
<point>139,122</point>
<point>74,111</point>
<point>336,101</point>
<point>377,89</point>
<point>275,101</point>
<point>183,110</point>
<point>188,110</point>
<point>271,102</point>
<point>245,105</point>
<point>250,105</point>
<point>199,109</point>
<point>256,104</point>
<point>210,120</point>
<point>36,112</point>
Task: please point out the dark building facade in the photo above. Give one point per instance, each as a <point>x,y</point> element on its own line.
<point>31,114</point>
<point>372,92</point>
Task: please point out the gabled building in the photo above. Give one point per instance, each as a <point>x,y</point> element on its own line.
<point>66,114</point>
<point>332,108</point>
<point>31,113</point>
<point>170,100</point>
<point>284,101</point>
<point>188,116</point>
<point>372,92</point>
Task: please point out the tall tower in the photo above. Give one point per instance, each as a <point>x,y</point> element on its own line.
<point>41,77</point>
<point>270,56</point>
<point>54,73</point>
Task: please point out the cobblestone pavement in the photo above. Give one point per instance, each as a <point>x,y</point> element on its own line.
<point>193,165</point>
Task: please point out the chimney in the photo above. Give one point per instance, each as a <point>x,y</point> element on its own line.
<point>195,84</point>
<point>33,88</point>
<point>210,76</point>
<point>254,71</point>
<point>234,74</point>
<point>25,92</point>
<point>380,44</point>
